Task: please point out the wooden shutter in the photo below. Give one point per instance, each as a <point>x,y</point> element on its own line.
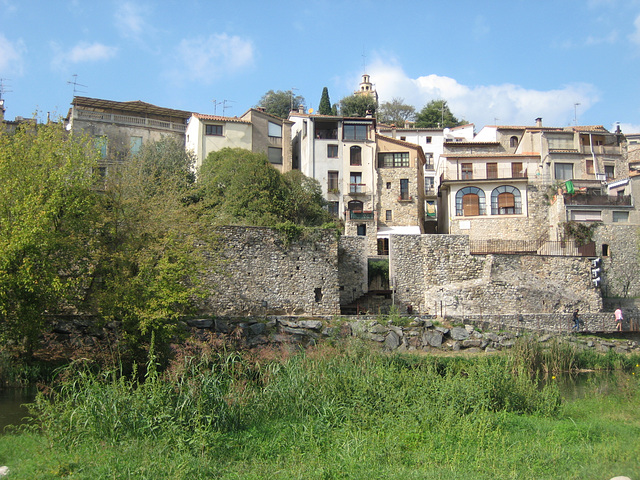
<point>506,200</point>
<point>492,170</point>
<point>470,205</point>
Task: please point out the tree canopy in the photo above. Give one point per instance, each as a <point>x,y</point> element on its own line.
<point>280,103</point>
<point>436,114</point>
<point>324,108</point>
<point>396,112</point>
<point>358,106</point>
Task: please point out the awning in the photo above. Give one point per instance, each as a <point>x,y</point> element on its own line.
<point>384,232</point>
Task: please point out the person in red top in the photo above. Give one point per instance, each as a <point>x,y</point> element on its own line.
<point>618,314</point>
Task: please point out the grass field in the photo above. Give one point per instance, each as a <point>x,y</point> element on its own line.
<point>332,413</point>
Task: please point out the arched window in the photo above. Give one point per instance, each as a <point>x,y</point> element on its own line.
<point>356,155</point>
<point>513,142</point>
<point>470,201</point>
<point>506,200</point>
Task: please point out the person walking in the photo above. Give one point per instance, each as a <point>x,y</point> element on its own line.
<point>576,321</point>
<point>618,314</point>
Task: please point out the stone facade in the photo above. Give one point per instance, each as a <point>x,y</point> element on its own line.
<point>437,275</point>
<point>352,268</point>
<point>259,274</point>
<point>621,244</point>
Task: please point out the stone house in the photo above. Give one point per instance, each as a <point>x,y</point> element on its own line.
<point>120,128</point>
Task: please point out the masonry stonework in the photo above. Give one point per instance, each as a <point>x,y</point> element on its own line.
<point>259,274</point>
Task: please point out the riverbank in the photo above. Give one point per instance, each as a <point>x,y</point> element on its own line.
<point>334,410</point>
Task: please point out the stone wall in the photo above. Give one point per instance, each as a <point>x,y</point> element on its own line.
<point>259,274</point>
<point>436,274</point>
<point>620,267</point>
<point>352,268</point>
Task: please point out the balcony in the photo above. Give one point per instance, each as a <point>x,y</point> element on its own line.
<point>481,173</point>
<point>360,215</point>
<point>129,120</point>
<point>358,189</point>
<point>598,200</point>
<point>405,198</point>
<point>601,149</point>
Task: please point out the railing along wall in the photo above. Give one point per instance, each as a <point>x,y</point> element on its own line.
<point>130,120</point>
<point>567,248</point>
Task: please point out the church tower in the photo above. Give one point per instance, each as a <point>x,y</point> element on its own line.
<point>367,88</point>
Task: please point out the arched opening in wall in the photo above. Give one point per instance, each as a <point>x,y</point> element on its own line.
<point>470,201</point>
<point>355,206</point>
<point>506,200</point>
<point>356,155</point>
<point>605,250</point>
<point>513,142</point>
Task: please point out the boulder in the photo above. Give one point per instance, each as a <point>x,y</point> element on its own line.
<point>200,323</point>
<point>392,341</point>
<point>432,338</point>
<point>459,333</point>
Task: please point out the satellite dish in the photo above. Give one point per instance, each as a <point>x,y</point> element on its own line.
<point>310,111</point>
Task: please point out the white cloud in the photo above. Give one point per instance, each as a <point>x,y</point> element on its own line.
<point>11,53</point>
<point>635,36</point>
<point>504,104</point>
<point>608,39</point>
<point>83,52</point>
<point>205,59</point>
<point>129,18</point>
<point>627,128</point>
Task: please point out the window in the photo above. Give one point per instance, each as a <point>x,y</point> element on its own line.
<point>589,167</point>
<point>388,215</point>
<point>404,189</point>
<point>609,171</point>
<point>275,155</point>
<point>213,130</point>
<point>399,159</point>
<point>333,182</point>
<point>383,246</point>
<point>355,155</point>
<point>620,217</point>
<point>467,171</point>
<point>428,139</point>
<point>492,170</point>
<point>275,130</point>
<point>355,206</point>
<point>605,250</point>
<point>470,201</point>
<point>355,183</point>
<point>333,208</point>
<point>563,171</point>
<point>101,145</point>
<point>332,151</point>
<point>404,139</point>
<point>513,142</point>
<point>354,132</point>
<point>362,230</point>
<point>506,200</point>
<point>136,144</point>
<point>429,184</point>
<point>586,215</point>
<point>516,170</point>
<point>429,163</point>
<point>326,130</point>
<point>388,185</point>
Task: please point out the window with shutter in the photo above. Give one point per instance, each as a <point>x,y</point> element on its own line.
<point>492,170</point>
<point>471,205</point>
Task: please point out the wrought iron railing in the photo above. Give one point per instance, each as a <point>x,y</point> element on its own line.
<point>568,248</point>
<point>130,120</point>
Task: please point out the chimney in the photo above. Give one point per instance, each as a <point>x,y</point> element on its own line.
<point>300,108</point>
<point>539,122</point>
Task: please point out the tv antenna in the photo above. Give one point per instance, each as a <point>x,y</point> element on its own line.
<point>76,84</point>
<point>215,106</point>
<point>4,88</point>
<point>224,105</point>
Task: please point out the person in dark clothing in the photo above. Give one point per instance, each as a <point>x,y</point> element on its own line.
<point>576,321</point>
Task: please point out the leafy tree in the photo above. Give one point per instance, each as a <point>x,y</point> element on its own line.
<point>358,106</point>
<point>150,258</point>
<point>396,112</point>
<point>436,114</point>
<point>305,202</point>
<point>325,104</point>
<point>280,103</point>
<point>47,225</point>
<point>241,187</point>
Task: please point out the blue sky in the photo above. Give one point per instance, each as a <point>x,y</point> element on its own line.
<point>499,62</point>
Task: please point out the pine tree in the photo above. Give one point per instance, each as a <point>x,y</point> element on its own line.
<point>325,104</point>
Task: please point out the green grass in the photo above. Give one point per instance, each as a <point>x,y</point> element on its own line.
<point>329,413</point>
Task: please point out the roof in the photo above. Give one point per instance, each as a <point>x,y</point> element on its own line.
<point>262,112</point>
<point>136,106</point>
<point>588,128</point>
<point>470,144</point>
<point>490,155</point>
<point>219,118</point>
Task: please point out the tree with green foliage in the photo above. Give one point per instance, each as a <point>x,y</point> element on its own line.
<point>358,106</point>
<point>305,203</point>
<point>436,114</point>
<point>325,104</point>
<point>47,225</point>
<point>280,103</point>
<point>151,240</point>
<point>396,112</point>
